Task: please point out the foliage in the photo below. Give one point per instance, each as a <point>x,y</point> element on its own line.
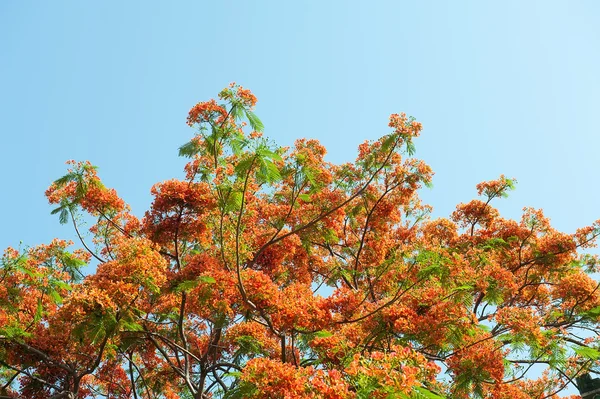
<point>216,291</point>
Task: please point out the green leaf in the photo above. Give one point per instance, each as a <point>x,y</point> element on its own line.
<point>130,325</point>
<point>62,285</point>
<point>265,152</point>
<point>189,285</point>
<point>410,148</point>
<point>234,201</point>
<point>207,279</point>
<point>388,142</point>
<point>186,286</point>
<point>189,149</point>
<point>268,172</point>
<point>422,393</point>
<point>244,166</point>
<point>212,142</point>
<point>238,144</point>
<point>594,312</point>
<point>305,197</point>
<point>323,334</point>
<point>22,267</point>
<point>236,374</point>
<point>71,261</point>
<point>13,331</point>
<point>345,273</point>
<point>330,236</point>
<point>429,270</point>
<point>55,297</point>
<point>60,182</point>
<point>63,218</point>
<point>55,211</point>
<point>81,189</point>
<point>237,111</point>
<point>247,345</point>
<point>495,243</point>
<point>255,123</point>
<point>464,288</point>
<point>38,311</point>
<point>484,327</point>
<point>587,352</point>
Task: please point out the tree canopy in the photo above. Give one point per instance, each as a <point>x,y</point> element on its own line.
<point>269,272</point>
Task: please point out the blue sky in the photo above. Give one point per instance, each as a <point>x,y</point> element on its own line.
<point>501,87</point>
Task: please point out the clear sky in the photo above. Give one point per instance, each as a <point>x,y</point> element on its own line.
<point>501,87</point>
<point>507,87</point>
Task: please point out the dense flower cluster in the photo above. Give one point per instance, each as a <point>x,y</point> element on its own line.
<point>269,272</point>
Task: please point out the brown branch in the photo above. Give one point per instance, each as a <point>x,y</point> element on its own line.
<point>43,355</point>
<point>33,377</point>
<point>96,363</point>
<point>133,389</point>
<point>366,229</point>
<point>82,240</point>
<point>397,296</point>
<point>332,210</point>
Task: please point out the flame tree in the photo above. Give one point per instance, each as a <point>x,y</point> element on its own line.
<point>215,292</point>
